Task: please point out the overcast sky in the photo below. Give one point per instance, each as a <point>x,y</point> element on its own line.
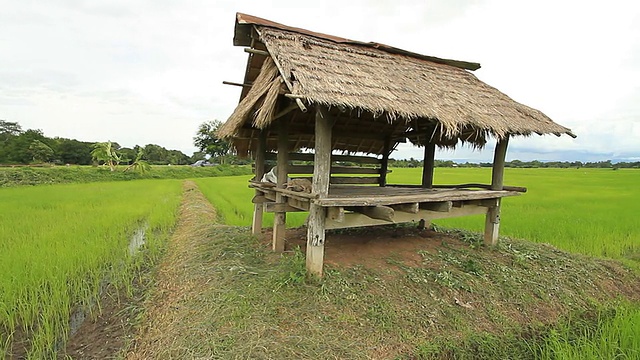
<point>140,72</point>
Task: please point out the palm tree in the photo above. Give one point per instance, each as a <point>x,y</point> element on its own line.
<point>104,151</point>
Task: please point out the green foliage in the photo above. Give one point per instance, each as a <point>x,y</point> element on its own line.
<point>40,152</point>
<point>28,176</point>
<point>105,153</point>
<point>208,141</point>
<point>139,164</point>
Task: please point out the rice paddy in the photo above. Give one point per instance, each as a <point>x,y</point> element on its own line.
<point>59,246</point>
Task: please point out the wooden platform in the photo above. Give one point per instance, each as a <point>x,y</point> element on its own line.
<point>355,206</point>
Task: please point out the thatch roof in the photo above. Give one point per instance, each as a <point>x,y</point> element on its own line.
<point>375,91</point>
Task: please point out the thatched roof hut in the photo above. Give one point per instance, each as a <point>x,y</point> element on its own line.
<point>366,98</point>
<point>374,91</point>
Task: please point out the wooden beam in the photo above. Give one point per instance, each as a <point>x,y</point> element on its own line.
<point>311,157</point>
<point>379,212</point>
<point>384,163</point>
<point>357,219</point>
<point>464,186</point>
<point>280,218</point>
<point>277,208</point>
<point>428,165</point>
<point>335,213</point>
<point>492,219</point>
<point>256,52</point>
<point>411,208</point>
<point>308,169</point>
<point>497,172</point>
<point>236,84</point>
<point>443,206</point>
<point>317,213</point>
<point>258,207</point>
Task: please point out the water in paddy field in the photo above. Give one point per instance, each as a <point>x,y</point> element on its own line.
<point>137,240</point>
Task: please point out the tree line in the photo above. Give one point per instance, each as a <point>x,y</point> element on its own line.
<point>607,164</point>
<point>33,147</point>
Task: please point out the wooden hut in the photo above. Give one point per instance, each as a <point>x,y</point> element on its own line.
<point>309,97</point>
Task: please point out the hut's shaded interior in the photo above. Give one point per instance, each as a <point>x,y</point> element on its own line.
<point>337,97</point>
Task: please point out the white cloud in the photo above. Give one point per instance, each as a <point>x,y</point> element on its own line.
<point>151,71</point>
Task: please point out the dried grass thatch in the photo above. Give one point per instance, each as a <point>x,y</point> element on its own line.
<point>385,94</point>
<point>399,87</point>
<point>265,88</point>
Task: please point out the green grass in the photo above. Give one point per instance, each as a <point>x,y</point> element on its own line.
<point>22,176</point>
<point>614,335</point>
<point>60,244</point>
<point>231,196</point>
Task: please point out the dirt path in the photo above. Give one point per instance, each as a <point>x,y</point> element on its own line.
<point>175,280</point>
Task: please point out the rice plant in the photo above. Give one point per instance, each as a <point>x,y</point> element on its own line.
<point>59,244</point>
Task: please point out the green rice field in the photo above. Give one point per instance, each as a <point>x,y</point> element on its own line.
<point>59,245</point>
<point>588,211</point>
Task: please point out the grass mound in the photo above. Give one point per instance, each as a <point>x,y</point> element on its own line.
<point>428,295</point>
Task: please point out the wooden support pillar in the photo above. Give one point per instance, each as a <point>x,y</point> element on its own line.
<point>258,208</point>
<point>384,164</point>
<point>492,220</point>
<point>428,165</point>
<point>280,218</point>
<point>321,175</point>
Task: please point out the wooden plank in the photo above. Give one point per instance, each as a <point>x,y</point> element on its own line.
<point>280,218</point>
<point>379,212</point>
<point>308,169</point>
<point>411,208</point>
<point>432,197</point>
<point>334,157</point>
<point>463,186</point>
<point>357,220</point>
<point>258,208</point>
<point>428,165</point>
<point>321,174</point>
<point>443,206</point>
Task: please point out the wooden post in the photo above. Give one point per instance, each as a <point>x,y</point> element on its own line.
<point>428,165</point>
<point>492,220</point>
<point>321,176</point>
<point>384,164</point>
<point>280,218</point>
<point>258,208</point>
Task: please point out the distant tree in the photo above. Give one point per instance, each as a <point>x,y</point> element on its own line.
<point>40,152</point>
<point>15,149</point>
<point>8,129</point>
<point>208,141</point>
<point>139,164</point>
<point>105,152</point>
<point>71,151</point>
<point>198,155</point>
